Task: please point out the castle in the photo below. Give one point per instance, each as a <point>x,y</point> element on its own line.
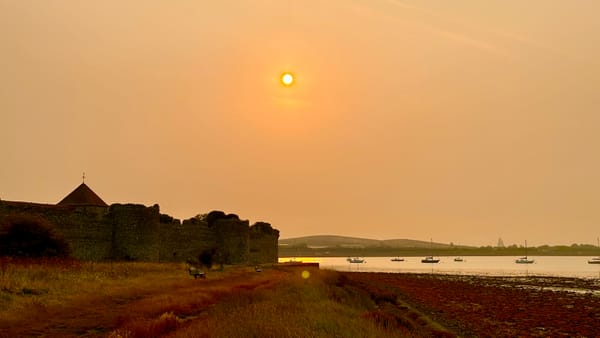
<point>97,231</point>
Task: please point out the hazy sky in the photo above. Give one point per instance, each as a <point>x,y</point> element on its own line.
<point>461,121</point>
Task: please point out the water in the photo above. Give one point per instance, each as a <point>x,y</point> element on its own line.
<point>559,266</point>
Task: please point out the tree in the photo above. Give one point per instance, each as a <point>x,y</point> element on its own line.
<point>30,236</point>
<point>215,215</point>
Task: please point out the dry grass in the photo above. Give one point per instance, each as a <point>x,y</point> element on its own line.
<point>69,298</point>
<point>44,283</point>
<point>314,307</point>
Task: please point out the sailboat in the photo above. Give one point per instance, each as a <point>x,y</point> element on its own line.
<point>524,259</point>
<point>355,260</point>
<point>430,259</point>
<point>595,260</point>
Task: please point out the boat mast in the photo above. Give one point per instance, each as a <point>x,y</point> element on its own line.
<point>431,246</point>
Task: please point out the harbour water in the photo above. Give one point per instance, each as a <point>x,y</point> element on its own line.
<point>559,266</point>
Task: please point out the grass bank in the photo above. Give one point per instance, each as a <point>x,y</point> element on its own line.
<point>70,298</point>
<point>60,298</point>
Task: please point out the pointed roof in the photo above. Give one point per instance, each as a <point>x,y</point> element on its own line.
<point>83,195</point>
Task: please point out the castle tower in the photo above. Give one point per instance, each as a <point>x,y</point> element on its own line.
<point>83,195</point>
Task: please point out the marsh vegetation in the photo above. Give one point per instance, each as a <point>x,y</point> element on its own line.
<point>58,297</point>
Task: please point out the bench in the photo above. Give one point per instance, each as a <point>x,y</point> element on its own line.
<point>197,273</point>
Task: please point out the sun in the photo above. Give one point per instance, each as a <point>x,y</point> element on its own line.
<point>287,79</point>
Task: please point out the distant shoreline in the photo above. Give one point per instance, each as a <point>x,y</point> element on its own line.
<point>303,251</point>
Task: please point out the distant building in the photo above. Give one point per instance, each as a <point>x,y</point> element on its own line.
<point>500,243</point>
<point>97,231</point>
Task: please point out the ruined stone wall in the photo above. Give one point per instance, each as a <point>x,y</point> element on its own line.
<point>185,241</point>
<point>263,243</point>
<point>135,232</point>
<point>87,229</point>
<point>263,246</point>
<point>232,240</point>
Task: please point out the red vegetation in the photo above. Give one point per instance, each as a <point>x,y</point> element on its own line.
<point>496,306</point>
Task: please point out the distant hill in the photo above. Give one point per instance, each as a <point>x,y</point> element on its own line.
<point>341,246</point>
<point>330,241</point>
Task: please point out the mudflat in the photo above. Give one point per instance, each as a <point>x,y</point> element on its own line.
<point>486,306</point>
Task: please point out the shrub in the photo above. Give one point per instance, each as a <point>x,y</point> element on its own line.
<point>30,236</point>
<point>206,258</point>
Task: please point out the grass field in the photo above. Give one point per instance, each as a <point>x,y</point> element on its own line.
<point>70,298</point>
<point>61,298</point>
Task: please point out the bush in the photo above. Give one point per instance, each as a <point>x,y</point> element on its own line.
<point>30,236</point>
<point>206,258</point>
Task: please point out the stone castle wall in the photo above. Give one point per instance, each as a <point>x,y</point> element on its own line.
<point>86,228</point>
<point>185,241</point>
<point>137,232</point>
<point>263,243</point>
<point>232,239</point>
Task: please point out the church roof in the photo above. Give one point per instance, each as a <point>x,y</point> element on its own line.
<point>83,195</point>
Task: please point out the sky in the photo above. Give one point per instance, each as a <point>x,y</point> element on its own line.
<point>459,121</point>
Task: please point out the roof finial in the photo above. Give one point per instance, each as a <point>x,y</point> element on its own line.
<point>83,177</point>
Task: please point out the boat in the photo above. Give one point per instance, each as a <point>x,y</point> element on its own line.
<point>430,259</point>
<point>355,260</point>
<point>595,260</point>
<point>397,259</point>
<point>458,259</point>
<point>524,259</point>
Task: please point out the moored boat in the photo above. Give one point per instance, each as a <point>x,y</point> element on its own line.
<point>595,260</point>
<point>524,259</point>
<point>397,259</point>
<point>355,260</point>
<point>458,259</point>
<point>430,259</point>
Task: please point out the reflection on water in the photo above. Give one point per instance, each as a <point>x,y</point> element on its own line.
<point>563,266</point>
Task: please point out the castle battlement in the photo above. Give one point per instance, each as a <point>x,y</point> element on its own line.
<point>97,231</point>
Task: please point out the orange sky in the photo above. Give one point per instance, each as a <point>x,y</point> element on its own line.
<point>461,121</point>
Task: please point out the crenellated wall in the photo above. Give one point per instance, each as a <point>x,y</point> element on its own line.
<point>232,239</point>
<point>137,232</point>
<point>185,241</point>
<point>263,243</point>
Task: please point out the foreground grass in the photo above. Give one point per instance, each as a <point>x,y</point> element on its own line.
<point>298,307</point>
<point>28,286</point>
<point>67,298</point>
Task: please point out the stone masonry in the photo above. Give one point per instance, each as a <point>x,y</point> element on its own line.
<point>96,231</point>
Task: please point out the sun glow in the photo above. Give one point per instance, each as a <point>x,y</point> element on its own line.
<point>287,79</point>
